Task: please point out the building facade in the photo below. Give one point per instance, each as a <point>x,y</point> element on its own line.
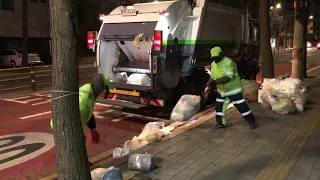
<point>38,26</point>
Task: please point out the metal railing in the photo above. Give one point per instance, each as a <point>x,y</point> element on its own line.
<point>35,78</point>
<point>282,51</point>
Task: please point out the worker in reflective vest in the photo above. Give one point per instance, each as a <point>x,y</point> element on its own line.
<point>88,94</point>
<point>225,77</point>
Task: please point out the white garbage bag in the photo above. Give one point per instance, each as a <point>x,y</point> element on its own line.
<point>120,152</point>
<point>141,162</point>
<point>187,106</point>
<point>151,133</point>
<point>139,79</point>
<point>98,173</point>
<point>250,90</point>
<point>121,77</point>
<point>135,143</point>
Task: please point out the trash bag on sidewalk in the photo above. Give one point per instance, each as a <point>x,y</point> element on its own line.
<point>250,90</point>
<point>112,174</point>
<point>151,133</point>
<point>139,79</point>
<point>284,106</point>
<point>187,106</point>
<point>135,143</point>
<point>119,152</point>
<point>98,173</point>
<point>141,162</point>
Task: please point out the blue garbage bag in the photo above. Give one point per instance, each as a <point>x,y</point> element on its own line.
<point>113,174</point>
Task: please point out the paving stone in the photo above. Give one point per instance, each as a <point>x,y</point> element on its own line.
<point>202,177</point>
<point>162,176</point>
<point>211,171</point>
<point>189,172</point>
<point>171,171</point>
<point>180,177</point>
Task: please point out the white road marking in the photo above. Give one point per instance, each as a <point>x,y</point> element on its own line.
<point>312,69</point>
<point>282,59</point>
<point>99,115</point>
<point>35,115</point>
<point>45,102</point>
<point>16,100</point>
<point>24,97</point>
<point>43,95</point>
<point>36,99</point>
<point>27,144</point>
<point>104,105</point>
<point>121,118</point>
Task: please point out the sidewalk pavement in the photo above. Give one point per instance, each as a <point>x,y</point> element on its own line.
<point>282,147</point>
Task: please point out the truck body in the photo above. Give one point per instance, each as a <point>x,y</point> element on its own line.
<point>174,42</point>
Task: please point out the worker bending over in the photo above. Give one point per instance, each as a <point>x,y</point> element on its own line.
<point>88,94</point>
<point>225,77</point>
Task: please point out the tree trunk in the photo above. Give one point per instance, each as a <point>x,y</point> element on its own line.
<point>267,65</point>
<point>299,45</point>
<point>72,160</point>
<point>25,33</point>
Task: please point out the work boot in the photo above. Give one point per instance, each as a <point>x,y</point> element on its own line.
<point>218,126</point>
<point>252,124</point>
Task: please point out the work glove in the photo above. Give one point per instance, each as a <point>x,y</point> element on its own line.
<point>207,90</point>
<point>95,137</point>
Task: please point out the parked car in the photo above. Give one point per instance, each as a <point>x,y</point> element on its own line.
<point>13,58</point>
<point>318,45</point>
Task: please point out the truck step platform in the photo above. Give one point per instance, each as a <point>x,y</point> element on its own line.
<point>125,104</point>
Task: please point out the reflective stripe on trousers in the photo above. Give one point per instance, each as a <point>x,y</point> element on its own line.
<point>238,101</point>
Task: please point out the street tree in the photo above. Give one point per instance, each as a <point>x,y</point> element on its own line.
<point>71,155</point>
<point>299,40</point>
<point>266,58</point>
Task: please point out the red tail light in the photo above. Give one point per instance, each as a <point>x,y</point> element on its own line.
<point>157,41</point>
<point>20,55</point>
<point>90,40</point>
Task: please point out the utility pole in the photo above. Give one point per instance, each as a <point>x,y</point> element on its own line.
<point>25,32</point>
<point>71,154</point>
<point>299,40</point>
<point>267,65</point>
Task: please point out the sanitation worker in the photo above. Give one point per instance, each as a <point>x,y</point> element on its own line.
<point>88,94</point>
<point>225,77</point>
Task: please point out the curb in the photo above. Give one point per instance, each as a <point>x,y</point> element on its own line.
<point>105,158</point>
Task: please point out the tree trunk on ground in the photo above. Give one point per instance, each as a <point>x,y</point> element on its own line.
<point>72,160</point>
<point>266,58</point>
<point>299,45</point>
<point>25,33</point>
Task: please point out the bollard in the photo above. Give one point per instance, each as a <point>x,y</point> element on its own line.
<point>33,78</point>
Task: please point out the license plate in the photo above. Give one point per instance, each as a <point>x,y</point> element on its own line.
<point>128,93</point>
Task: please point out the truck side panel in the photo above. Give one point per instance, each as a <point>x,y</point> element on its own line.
<point>220,27</point>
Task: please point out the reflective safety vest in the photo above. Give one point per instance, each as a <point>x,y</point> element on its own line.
<point>226,67</point>
<point>86,104</point>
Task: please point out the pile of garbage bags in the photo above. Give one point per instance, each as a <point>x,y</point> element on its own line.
<point>152,132</point>
<point>283,95</point>
<point>135,78</point>
<point>187,106</point>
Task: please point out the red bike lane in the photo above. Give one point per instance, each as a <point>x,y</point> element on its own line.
<point>26,140</point>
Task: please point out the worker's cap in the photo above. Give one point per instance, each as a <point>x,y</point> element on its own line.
<point>215,52</point>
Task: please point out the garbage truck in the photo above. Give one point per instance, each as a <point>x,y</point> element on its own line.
<point>168,43</point>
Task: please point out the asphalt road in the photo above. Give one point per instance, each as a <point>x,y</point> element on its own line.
<point>19,80</point>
